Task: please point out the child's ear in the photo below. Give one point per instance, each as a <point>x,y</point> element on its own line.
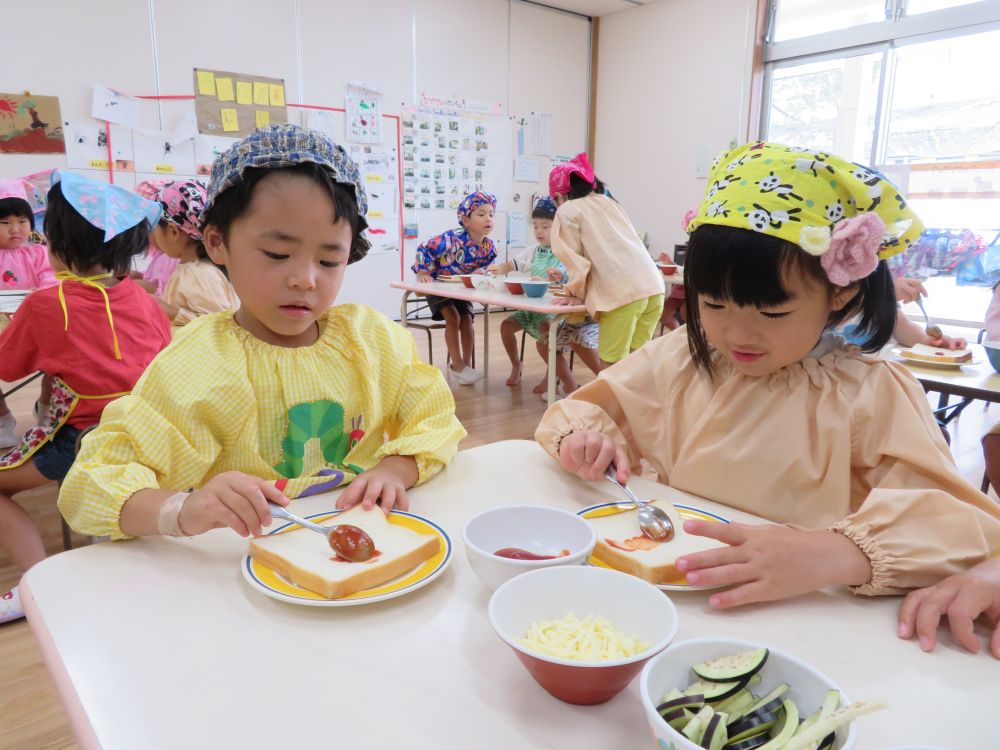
<point>841,296</point>
<point>215,245</point>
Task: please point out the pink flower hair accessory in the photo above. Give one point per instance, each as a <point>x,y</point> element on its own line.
<point>691,213</point>
<point>854,247</point>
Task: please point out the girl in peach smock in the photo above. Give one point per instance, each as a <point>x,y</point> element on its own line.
<point>757,405</point>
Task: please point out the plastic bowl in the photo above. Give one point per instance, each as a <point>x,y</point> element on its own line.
<point>514,287</point>
<point>630,604</point>
<point>467,279</point>
<point>535,528</point>
<point>672,669</point>
<point>667,269</point>
<point>535,288</point>
<point>993,353</point>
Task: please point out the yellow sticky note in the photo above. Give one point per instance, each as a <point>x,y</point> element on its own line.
<point>277,92</point>
<point>206,83</point>
<point>164,168</point>
<point>375,214</point>
<point>373,178</point>
<point>98,163</point>
<point>263,118</point>
<point>260,93</point>
<point>244,92</point>
<point>225,88</point>
<point>230,122</point>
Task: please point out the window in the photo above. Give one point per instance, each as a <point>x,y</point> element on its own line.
<point>904,85</point>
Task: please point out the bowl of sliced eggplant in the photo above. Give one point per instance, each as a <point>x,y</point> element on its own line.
<point>726,694</point>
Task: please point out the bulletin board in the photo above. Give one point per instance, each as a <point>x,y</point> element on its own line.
<point>234,104</point>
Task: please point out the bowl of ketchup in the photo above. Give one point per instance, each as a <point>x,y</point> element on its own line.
<point>504,542</point>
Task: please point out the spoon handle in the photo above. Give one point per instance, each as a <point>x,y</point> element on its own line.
<point>611,476</point>
<point>278,512</point>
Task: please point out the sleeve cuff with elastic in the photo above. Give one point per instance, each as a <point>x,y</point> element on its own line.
<point>882,562</point>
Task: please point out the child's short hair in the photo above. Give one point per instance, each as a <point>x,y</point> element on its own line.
<point>234,201</point>
<point>544,209</point>
<point>79,244</point>
<point>17,207</point>
<point>747,268</point>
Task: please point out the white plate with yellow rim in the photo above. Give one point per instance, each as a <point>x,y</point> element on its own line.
<point>273,584</point>
<point>898,351</point>
<point>686,511</point>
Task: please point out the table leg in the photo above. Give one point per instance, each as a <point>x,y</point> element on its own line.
<point>486,345</point>
<point>553,328</point>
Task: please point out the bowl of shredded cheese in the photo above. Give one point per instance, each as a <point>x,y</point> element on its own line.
<point>582,632</point>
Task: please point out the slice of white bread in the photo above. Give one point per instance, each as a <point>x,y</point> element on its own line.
<point>306,559</point>
<point>652,561</point>
<point>923,353</point>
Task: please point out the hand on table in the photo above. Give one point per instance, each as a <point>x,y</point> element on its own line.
<point>231,499</point>
<point>907,290</point>
<point>567,301</point>
<point>589,453</point>
<point>771,562</point>
<point>424,278</point>
<point>963,598</point>
<point>385,483</point>
<point>554,274</point>
<point>947,342</point>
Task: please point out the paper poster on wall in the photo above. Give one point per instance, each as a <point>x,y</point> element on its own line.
<point>326,122</point>
<point>114,106</point>
<point>379,173</point>
<point>30,125</point>
<point>155,154</point>
<point>526,169</point>
<point>207,148</point>
<point>517,229</point>
<point>541,133</point>
<point>237,103</point>
<point>364,115</point>
<point>87,146</point>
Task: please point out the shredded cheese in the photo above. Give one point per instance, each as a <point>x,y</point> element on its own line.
<point>590,639</point>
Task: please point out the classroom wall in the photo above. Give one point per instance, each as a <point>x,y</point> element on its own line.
<point>672,90</point>
<point>525,57</point>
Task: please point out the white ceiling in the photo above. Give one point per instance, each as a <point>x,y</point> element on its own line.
<point>594,7</point>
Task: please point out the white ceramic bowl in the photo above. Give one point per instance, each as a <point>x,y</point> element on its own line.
<point>535,528</point>
<point>631,605</point>
<point>672,669</point>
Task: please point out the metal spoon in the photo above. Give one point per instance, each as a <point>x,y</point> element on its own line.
<point>932,330</point>
<point>654,522</point>
<point>278,512</point>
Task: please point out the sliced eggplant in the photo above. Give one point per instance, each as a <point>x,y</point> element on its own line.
<point>692,702</point>
<point>696,727</point>
<point>751,726</point>
<point>828,741</point>
<point>714,691</point>
<point>677,718</point>
<point>770,702</point>
<point>732,668</point>
<point>785,728</point>
<point>823,727</point>
<point>715,735</point>
<point>751,743</point>
<point>738,702</point>
<point>830,703</point>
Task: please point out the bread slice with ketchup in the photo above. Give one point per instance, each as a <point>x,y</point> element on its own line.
<point>923,353</point>
<point>623,546</point>
<point>305,558</point>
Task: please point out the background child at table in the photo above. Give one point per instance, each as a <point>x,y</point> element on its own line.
<point>673,305</point>
<point>94,334</point>
<point>459,251</point>
<point>197,286</point>
<point>159,266</point>
<point>963,597</point>
<point>24,264</point>
<point>541,263</point>
<point>991,441</point>
<point>232,406</point>
<point>754,404</point>
<point>610,270</point>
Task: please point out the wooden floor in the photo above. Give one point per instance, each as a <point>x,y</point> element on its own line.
<point>30,713</point>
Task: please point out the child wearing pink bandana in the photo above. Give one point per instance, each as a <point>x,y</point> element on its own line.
<point>197,286</point>
<point>23,264</point>
<point>757,403</point>
<point>159,266</point>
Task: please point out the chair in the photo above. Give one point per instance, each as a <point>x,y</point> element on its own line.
<point>412,305</point>
<point>66,531</point>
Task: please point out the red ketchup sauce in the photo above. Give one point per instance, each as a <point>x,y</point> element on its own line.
<point>516,553</point>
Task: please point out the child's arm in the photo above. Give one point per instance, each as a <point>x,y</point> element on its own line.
<point>963,598</point>
<point>568,247</point>
<point>423,429</point>
<point>910,333</point>
<point>426,264</point>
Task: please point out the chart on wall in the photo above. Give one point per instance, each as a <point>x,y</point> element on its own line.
<point>448,154</point>
<point>234,104</point>
<point>364,115</point>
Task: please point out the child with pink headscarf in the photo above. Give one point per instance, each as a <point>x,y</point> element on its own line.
<point>610,270</point>
<point>161,266</point>
<point>197,286</point>
<point>23,263</point>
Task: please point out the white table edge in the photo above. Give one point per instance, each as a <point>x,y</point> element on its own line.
<point>72,704</point>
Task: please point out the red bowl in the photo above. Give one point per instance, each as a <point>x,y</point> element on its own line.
<point>514,287</point>
<point>667,269</point>
<point>467,280</point>
<point>581,686</point>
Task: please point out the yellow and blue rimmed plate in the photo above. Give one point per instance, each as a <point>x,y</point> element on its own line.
<point>276,586</point>
<point>686,511</point>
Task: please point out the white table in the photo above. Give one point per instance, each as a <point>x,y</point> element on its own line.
<point>159,643</point>
<point>497,298</point>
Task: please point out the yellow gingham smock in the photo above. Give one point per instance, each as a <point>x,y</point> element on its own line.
<point>219,399</point>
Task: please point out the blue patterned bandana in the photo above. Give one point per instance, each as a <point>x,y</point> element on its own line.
<point>105,206</point>
<point>471,202</point>
<point>280,146</point>
<point>546,204</point>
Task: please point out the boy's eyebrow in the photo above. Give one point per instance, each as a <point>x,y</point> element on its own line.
<point>277,234</point>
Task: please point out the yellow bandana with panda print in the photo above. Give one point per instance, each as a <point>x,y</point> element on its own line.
<point>798,195</point>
